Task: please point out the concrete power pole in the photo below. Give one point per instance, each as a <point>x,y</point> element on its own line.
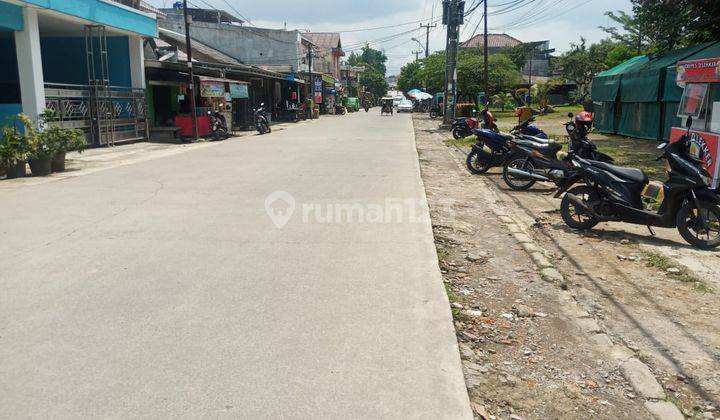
<point>427,32</point>
<point>191,76</point>
<point>486,81</point>
<point>311,83</point>
<point>453,11</point>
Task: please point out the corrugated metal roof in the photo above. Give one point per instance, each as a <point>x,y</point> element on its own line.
<point>494,41</point>
<point>324,39</point>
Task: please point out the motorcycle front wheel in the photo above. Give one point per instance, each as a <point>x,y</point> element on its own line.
<point>699,227</point>
<point>433,114</point>
<point>575,217</point>
<point>515,182</point>
<point>478,162</point>
<point>458,133</point>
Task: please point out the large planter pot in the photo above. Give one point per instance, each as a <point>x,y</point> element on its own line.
<point>58,162</point>
<point>16,171</point>
<point>41,166</point>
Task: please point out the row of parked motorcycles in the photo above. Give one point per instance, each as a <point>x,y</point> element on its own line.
<point>592,188</point>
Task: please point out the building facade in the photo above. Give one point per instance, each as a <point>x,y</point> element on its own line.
<point>84,59</point>
<point>278,48</point>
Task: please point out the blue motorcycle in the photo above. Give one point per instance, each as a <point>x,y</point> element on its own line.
<point>492,149</point>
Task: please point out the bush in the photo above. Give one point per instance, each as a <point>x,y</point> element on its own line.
<point>13,147</point>
<point>59,138</point>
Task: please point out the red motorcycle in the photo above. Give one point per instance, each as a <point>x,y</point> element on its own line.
<point>464,126</point>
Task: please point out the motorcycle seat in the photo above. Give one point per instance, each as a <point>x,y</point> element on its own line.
<point>631,174</point>
<point>538,139</point>
<point>541,146</point>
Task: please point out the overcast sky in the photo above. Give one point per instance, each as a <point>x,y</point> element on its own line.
<point>560,21</point>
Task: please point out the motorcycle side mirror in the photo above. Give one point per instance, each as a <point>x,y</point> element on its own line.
<point>662,145</point>
<point>570,115</point>
<point>688,122</point>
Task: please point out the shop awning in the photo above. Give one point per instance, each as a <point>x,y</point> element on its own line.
<point>328,79</point>
<point>291,78</point>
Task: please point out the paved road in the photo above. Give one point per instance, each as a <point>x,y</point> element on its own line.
<point>163,289</point>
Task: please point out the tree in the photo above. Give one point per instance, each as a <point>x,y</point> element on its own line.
<point>657,26</point>
<point>376,59</point>
<point>581,63</point>
<point>374,81</point>
<point>411,76</point>
<point>630,33</point>
<point>434,71</point>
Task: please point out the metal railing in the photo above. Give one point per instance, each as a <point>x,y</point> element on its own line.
<point>107,115</point>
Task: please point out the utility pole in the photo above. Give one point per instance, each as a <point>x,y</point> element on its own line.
<point>486,80</point>
<point>311,83</point>
<point>191,76</point>
<point>427,32</point>
<point>417,55</point>
<point>453,14</point>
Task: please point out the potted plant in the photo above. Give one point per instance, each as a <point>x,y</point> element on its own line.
<point>40,149</point>
<point>13,152</point>
<point>61,139</point>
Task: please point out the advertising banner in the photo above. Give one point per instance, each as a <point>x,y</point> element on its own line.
<point>239,91</point>
<point>699,71</point>
<point>705,147</point>
<point>210,89</point>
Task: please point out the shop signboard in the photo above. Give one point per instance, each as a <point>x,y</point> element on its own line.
<point>212,89</point>
<point>698,71</point>
<point>705,147</point>
<point>318,97</point>
<point>239,91</point>
<point>317,84</point>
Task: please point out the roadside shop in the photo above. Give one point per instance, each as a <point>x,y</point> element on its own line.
<point>700,82</point>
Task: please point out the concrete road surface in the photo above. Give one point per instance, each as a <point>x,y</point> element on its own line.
<point>163,289</point>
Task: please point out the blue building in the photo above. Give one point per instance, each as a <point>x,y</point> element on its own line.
<point>83,58</point>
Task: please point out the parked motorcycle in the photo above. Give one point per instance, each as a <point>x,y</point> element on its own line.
<point>218,125</point>
<point>492,149</point>
<point>533,161</point>
<point>261,122</point>
<point>366,106</point>
<point>463,127</point>
<point>340,109</point>
<point>614,193</point>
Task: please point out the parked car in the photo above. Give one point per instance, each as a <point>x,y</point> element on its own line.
<point>397,100</point>
<point>405,105</point>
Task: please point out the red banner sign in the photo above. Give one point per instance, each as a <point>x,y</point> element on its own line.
<point>699,71</point>
<point>705,146</point>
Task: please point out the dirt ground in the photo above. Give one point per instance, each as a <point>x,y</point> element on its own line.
<point>526,355</point>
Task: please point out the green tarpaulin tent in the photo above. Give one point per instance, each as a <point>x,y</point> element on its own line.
<point>604,93</point>
<point>629,98</point>
<point>641,112</point>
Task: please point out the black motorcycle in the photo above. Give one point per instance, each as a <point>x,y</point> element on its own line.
<point>261,122</point>
<point>218,125</point>
<point>614,193</point>
<point>491,147</point>
<point>533,161</point>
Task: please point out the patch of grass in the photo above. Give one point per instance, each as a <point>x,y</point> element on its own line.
<point>636,153</point>
<point>465,141</point>
<point>662,262</point>
<point>457,313</point>
<point>442,253</point>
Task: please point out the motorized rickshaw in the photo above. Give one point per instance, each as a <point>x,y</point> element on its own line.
<point>386,104</point>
